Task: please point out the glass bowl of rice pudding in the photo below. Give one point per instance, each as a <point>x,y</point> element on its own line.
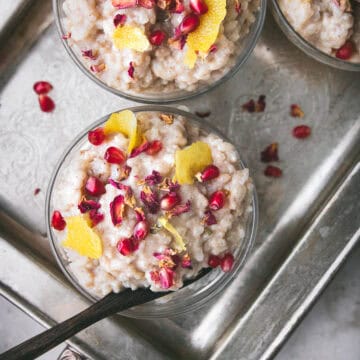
<point>327,30</point>
<point>158,51</point>
<point>147,197</point>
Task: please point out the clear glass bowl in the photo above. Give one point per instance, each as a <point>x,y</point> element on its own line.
<point>183,300</point>
<point>247,45</point>
<point>305,46</point>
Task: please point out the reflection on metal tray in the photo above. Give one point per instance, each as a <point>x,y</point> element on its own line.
<point>309,217</point>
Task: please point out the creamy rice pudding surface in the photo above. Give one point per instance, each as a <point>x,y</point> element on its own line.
<point>148,201</point>
<point>141,46</point>
<point>333,26</point>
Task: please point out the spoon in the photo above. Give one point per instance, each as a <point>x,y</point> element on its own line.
<point>109,305</point>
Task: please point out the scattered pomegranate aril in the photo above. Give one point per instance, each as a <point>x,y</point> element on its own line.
<point>270,153</point>
<point>113,155</point>
<point>87,205</point>
<point>273,171</point>
<point>42,87</point>
<point>157,37</point>
<point>169,201</point>
<point>131,70</point>
<point>141,230</point>
<point>94,186</point>
<point>154,275</point>
<point>119,185</point>
<point>123,4</point>
<point>166,277</point>
<point>227,263</point>
<point>97,136</point>
<point>127,246</point>
<point>346,51</point>
<point>199,7</point>
<point>154,147</point>
<point>214,261</point>
<point>296,111</point>
<point>209,173</point>
<point>36,191</point>
<point>119,19</point>
<point>46,103</point>
<point>189,24</point>
<point>57,221</point>
<point>209,218</point>
<point>217,200</point>
<point>117,207</point>
<point>301,131</point>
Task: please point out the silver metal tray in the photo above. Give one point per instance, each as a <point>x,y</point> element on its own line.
<point>309,218</point>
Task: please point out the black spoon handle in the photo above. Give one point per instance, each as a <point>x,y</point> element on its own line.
<point>109,305</point>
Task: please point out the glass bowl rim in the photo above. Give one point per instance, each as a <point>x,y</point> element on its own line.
<point>241,59</point>
<point>306,46</point>
<point>201,296</point>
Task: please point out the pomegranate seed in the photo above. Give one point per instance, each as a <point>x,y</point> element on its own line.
<point>213,49</point>
<point>94,186</point>
<point>154,275</point>
<point>270,153</point>
<point>123,4</point>
<point>119,19</point>
<point>273,171</point>
<point>87,205</point>
<point>117,207</point>
<point>157,37</point>
<point>46,103</point>
<point>209,173</point>
<point>127,246</point>
<point>131,69</point>
<point>166,277</point>
<point>147,4</point>
<point>199,7</point>
<point>113,155</point>
<point>345,52</point>
<point>141,230</point>
<point>154,147</point>
<point>227,263</point>
<point>57,221</point>
<point>217,200</point>
<point>36,191</point>
<point>42,87</point>
<point>169,201</point>
<point>214,261</point>
<point>97,136</point>
<point>189,24</point>
<point>178,7</point>
<point>301,131</point>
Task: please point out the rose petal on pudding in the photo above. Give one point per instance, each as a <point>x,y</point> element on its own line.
<point>170,228</point>
<point>82,238</point>
<point>192,160</point>
<point>124,122</point>
<point>117,207</point>
<point>130,37</point>
<point>199,41</point>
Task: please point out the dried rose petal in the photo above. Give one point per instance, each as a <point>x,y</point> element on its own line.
<point>177,7</point>
<point>198,7</point>
<point>227,263</point>
<point>153,179</point>
<point>96,136</point>
<point>147,4</point>
<point>169,201</point>
<point>203,114</point>
<point>88,54</point>
<point>119,185</point>
<point>131,70</point>
<point>124,172</point>
<point>273,171</point>
<point>157,37</point>
<point>119,19</point>
<point>217,200</point>
<point>141,230</point>
<point>168,119</point>
<point>57,221</point>
<point>177,42</point>
<point>154,275</point>
<point>150,200</point>
<point>166,278</point>
<point>42,87</point>
<point>164,4</point>
<point>95,217</point>
<point>117,207</point>
<point>179,209</point>
<point>140,215</point>
<point>169,186</point>
<point>301,131</point>
<point>154,147</point>
<point>98,68</point>
<point>36,191</point>
<point>346,51</point>
<point>251,106</point>
<point>209,218</point>
<point>87,205</point>
<point>270,153</point>
<point>46,103</point>
<point>296,111</point>
<point>66,36</point>
<point>237,6</point>
<point>186,262</point>
<point>114,155</point>
<point>123,4</point>
<point>94,186</point>
<point>140,149</point>
<point>127,246</point>
<point>214,261</point>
